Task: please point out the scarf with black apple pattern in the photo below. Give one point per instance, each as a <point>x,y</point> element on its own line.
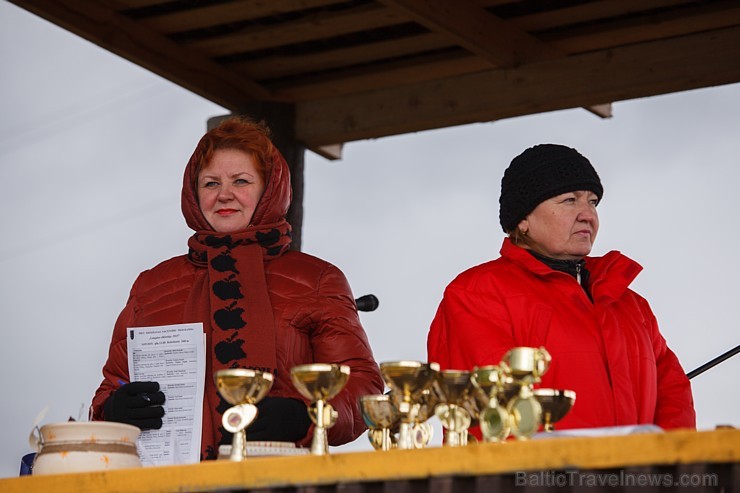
<point>233,300</point>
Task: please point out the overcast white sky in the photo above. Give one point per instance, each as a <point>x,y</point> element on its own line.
<point>92,150</point>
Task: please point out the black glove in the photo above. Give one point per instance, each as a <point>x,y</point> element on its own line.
<point>136,403</point>
<point>279,419</point>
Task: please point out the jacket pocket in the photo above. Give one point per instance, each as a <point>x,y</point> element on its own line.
<point>531,321</point>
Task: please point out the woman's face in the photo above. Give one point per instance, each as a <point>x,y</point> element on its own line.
<point>563,227</point>
<point>229,188</point>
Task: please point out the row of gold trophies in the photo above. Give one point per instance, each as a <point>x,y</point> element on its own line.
<point>501,399</point>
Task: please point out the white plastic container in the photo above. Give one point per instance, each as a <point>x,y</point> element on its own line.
<point>81,446</point>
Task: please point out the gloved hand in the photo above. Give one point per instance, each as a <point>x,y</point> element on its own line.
<point>136,403</point>
<point>279,419</point>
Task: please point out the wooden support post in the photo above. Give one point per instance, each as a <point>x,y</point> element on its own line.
<point>280,118</point>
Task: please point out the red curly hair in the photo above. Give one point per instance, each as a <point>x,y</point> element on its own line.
<point>238,133</point>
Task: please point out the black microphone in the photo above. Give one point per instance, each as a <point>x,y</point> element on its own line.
<point>367,303</point>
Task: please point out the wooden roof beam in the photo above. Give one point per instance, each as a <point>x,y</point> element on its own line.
<point>118,34</point>
<point>477,30</point>
<point>317,26</point>
<point>474,28</point>
<point>640,70</point>
<point>210,15</point>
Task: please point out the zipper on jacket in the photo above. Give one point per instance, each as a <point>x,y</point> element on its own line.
<point>578,273</point>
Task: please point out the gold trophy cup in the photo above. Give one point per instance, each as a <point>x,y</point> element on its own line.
<point>243,389</point>
<point>320,382</point>
<point>495,423</point>
<point>408,380</point>
<point>525,366</point>
<point>555,405</point>
<point>455,388</point>
<point>381,417</point>
<point>422,431</point>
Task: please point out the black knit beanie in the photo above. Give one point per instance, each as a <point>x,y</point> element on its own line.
<point>539,173</point>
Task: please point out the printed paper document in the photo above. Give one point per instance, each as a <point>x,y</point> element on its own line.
<point>174,356</point>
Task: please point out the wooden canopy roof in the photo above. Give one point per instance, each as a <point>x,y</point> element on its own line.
<point>362,69</point>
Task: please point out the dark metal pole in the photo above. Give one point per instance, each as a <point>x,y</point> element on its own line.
<point>719,359</point>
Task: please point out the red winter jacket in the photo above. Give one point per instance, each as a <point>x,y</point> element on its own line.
<point>313,307</point>
<point>609,352</point>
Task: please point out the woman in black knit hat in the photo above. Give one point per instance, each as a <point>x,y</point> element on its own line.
<point>545,291</point>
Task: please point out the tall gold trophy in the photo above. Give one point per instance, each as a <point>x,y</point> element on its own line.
<point>408,380</point>
<point>422,430</point>
<point>455,390</point>
<point>495,422</point>
<point>243,389</point>
<point>381,417</point>
<point>525,366</point>
<point>320,382</point>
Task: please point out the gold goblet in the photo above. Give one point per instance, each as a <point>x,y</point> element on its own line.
<point>243,389</point>
<point>455,388</point>
<point>408,380</point>
<point>489,381</point>
<point>494,419</point>
<point>422,431</point>
<point>320,382</point>
<point>381,416</point>
<point>555,405</point>
<point>525,366</point>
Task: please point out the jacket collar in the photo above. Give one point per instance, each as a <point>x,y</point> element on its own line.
<point>611,274</point>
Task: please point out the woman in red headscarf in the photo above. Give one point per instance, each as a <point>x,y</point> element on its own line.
<point>262,305</point>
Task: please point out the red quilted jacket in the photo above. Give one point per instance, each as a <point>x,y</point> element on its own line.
<point>610,352</point>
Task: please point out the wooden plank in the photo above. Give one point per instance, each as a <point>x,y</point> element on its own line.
<point>282,66</point>
<point>664,25</point>
<point>118,34</point>
<point>135,4</point>
<point>589,12</point>
<point>477,30</point>
<point>318,26</point>
<point>425,68</point>
<point>482,459</point>
<point>648,69</point>
<point>224,13</point>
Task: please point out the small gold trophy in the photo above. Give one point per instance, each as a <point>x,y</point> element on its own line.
<point>525,366</point>
<point>495,422</point>
<point>422,430</point>
<point>381,417</point>
<point>243,389</point>
<point>555,405</point>
<point>455,389</point>
<point>320,382</point>
<point>408,380</point>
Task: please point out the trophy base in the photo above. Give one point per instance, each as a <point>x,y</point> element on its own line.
<point>264,449</point>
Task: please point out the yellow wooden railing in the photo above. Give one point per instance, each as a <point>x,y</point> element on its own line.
<point>482,459</point>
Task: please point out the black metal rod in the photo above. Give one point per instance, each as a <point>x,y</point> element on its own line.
<point>719,359</point>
